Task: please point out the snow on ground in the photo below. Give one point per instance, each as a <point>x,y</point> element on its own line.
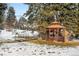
<point>26,33</point>
<point>6,35</point>
<point>10,35</point>
<point>26,48</point>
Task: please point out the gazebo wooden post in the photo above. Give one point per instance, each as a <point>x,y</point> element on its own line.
<point>49,34</point>
<point>64,34</point>
<point>65,39</point>
<point>46,33</point>
<point>57,33</point>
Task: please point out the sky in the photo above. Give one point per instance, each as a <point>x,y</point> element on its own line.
<point>20,8</point>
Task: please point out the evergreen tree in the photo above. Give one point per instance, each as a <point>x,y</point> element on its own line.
<point>67,14</point>
<point>3,7</point>
<point>22,23</point>
<point>11,18</point>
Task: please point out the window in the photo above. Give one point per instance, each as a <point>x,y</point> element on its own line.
<point>51,36</point>
<point>51,31</point>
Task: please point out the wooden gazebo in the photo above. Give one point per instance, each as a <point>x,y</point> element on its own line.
<point>55,32</point>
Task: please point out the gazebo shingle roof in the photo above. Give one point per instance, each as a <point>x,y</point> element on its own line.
<point>55,24</point>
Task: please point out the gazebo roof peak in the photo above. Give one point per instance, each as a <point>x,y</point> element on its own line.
<point>55,22</point>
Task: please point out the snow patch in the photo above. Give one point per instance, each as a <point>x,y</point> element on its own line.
<point>10,35</point>
<point>6,35</point>
<point>27,33</point>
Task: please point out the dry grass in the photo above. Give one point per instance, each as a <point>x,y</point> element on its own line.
<point>49,42</point>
